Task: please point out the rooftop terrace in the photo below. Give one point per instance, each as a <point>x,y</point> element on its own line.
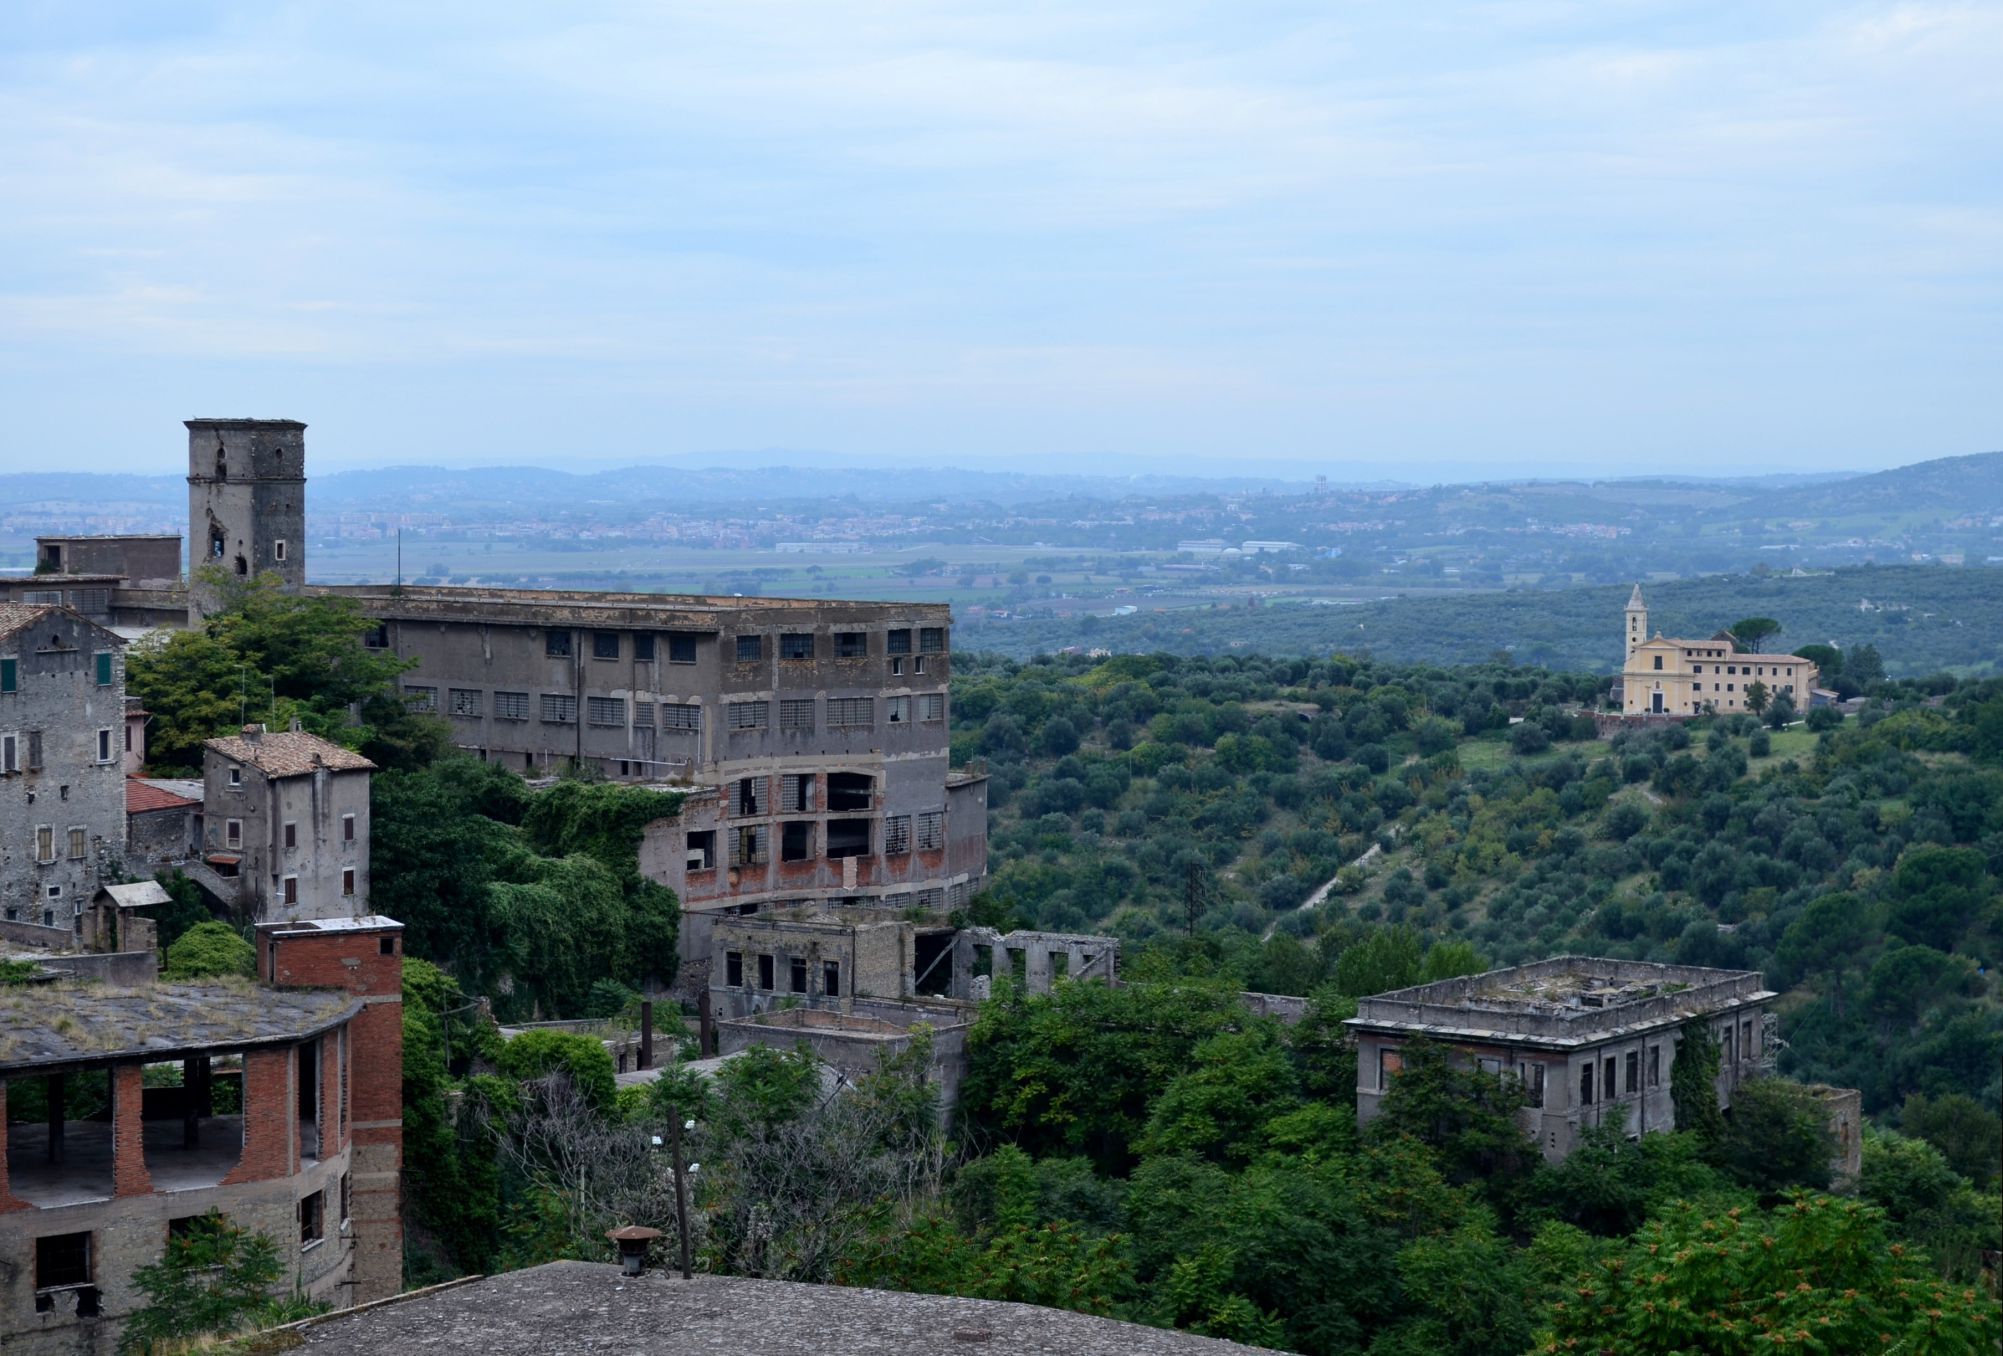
<point>49,1027</point>
<point>1567,1000</point>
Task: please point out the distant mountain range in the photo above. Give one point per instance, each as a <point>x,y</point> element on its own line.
<point>1948,483</point>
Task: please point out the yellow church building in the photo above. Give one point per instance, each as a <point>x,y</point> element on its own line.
<point>1666,677</point>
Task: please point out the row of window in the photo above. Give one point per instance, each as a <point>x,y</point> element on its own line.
<point>751,844</point>
<point>45,843</point>
<point>1749,670</point>
<point>792,646</point>
<point>22,752</point>
<point>796,714</point>
<point>796,976</point>
<point>104,671</point>
<point>1599,1081</point>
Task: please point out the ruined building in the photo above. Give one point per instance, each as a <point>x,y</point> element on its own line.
<point>285,825</point>
<point>1592,1040</point>
<point>62,780</point>
<point>133,1107</point>
<point>808,738</point>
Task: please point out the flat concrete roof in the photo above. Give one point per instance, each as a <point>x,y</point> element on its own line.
<point>47,1027</point>
<point>573,1308</point>
<point>664,611</point>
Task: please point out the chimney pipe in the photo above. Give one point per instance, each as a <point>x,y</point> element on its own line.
<point>646,1033</point>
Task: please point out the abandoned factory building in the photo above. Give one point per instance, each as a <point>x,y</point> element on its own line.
<point>1592,1040</point>
<point>133,1108</point>
<point>807,738</point>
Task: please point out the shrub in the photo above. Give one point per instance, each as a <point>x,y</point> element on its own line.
<point>209,950</point>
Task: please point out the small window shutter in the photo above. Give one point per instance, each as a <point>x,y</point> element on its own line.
<point>104,669</point>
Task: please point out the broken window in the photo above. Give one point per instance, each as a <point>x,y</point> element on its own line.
<point>312,1219</point>
<point>681,649</point>
<point>848,838</point>
<point>1586,1083</point>
<point>764,972</point>
<point>558,709</point>
<point>932,706</point>
<point>376,637</point>
<point>1533,1083</point>
<point>750,796</point>
<point>796,713</point>
<point>747,845</point>
<point>604,644</point>
<point>796,645</point>
<point>796,841</point>
<point>466,701</point>
<point>556,644</point>
<point>798,976</point>
<point>605,712</point>
<point>897,641</point>
<point>1654,1066</point>
<point>1607,1080</point>
<point>747,715</point>
<point>643,648</point>
<point>851,644</point>
<point>1631,1071</point>
<point>851,713</point>
<point>1390,1063</point>
<point>1746,1039</point>
<point>831,978</point>
<point>421,698</point>
<point>897,710</point>
<point>848,791</point>
<point>63,1262</point>
<point>932,640</point>
<point>750,649</point>
<point>896,835</point>
<point>931,830</point>
<point>511,706</point>
<point>701,850</point>
<point>733,969</point>
<point>796,793</point>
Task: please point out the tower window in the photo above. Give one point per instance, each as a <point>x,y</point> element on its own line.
<point>215,545</point>
<point>278,550</point>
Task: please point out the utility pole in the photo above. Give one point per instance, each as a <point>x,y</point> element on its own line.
<point>681,1193</point>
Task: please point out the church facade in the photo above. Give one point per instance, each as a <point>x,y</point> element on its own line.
<point>1669,677</point>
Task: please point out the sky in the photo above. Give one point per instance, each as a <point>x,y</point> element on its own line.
<point>1355,239</point>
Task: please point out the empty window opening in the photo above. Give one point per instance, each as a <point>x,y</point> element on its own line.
<point>848,838</point>
<point>1586,1083</point>
<point>796,841</point>
<point>278,550</point>
<point>312,1219</point>
<point>932,962</point>
<point>733,969</point>
<point>1631,1071</point>
<point>750,796</point>
<point>1654,1066</point>
<point>1533,1083</point>
<point>897,710</point>
<point>192,1133</point>
<point>63,1269</point>
<point>701,850</point>
<point>242,566</point>
<point>797,976</point>
<point>556,644</point>
<point>851,644</point>
<point>765,972</point>
<point>309,1100</point>
<point>848,791</point>
<point>831,978</point>
<point>1607,1084</point>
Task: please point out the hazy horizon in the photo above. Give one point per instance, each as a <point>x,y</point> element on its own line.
<point>1440,244</point>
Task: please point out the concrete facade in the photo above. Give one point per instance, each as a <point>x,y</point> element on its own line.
<point>1665,677</point>
<point>289,812</point>
<point>284,1113</point>
<point>149,561</point>
<point>246,503</point>
<point>62,782</point>
<point>1592,1040</point>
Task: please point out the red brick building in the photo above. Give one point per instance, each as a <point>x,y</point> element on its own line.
<point>130,1111</point>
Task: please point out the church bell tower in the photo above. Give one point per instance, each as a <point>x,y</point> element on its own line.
<point>1637,621</point>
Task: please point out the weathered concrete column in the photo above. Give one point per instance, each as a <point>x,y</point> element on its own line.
<point>128,1132</point>
<point>1036,968</point>
<point>194,1099</point>
<point>58,1087</point>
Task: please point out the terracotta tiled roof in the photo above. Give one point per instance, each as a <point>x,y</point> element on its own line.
<point>290,753</point>
<point>141,797</point>
<point>14,616</point>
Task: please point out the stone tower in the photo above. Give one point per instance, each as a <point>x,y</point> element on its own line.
<point>246,503</point>
<point>1637,621</point>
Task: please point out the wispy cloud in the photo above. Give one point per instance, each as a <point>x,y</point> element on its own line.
<point>1528,232</point>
